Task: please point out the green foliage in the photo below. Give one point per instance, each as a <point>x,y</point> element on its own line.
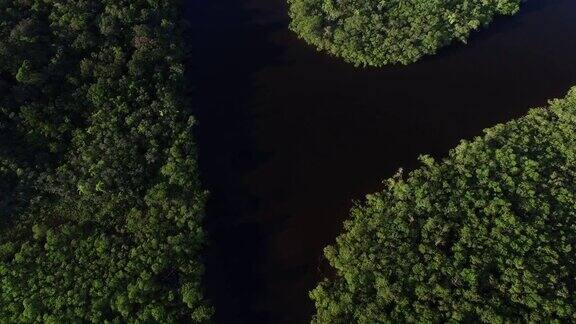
<point>25,73</point>
<point>381,32</point>
<point>486,235</point>
<point>100,203</point>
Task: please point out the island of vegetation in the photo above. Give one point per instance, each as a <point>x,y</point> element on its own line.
<point>376,33</point>
<point>486,235</point>
<point>100,203</point>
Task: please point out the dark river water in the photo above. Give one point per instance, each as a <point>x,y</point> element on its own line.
<point>289,138</point>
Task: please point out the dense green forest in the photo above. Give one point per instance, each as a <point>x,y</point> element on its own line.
<point>100,205</point>
<point>486,235</point>
<point>369,32</point>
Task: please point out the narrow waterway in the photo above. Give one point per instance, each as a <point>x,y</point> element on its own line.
<point>288,137</point>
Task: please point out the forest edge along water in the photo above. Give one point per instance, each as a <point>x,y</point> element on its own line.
<point>289,137</point>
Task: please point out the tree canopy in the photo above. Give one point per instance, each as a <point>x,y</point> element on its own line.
<point>100,203</point>
<point>485,235</point>
<point>378,32</point>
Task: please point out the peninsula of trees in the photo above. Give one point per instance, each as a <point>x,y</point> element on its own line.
<point>100,203</point>
<point>376,33</point>
<point>486,235</point>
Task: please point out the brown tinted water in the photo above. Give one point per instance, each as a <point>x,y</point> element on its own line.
<point>289,137</point>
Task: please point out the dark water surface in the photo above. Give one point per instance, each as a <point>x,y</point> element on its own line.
<point>289,137</point>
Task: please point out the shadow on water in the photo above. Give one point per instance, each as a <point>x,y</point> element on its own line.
<point>288,137</point>
<point>226,48</point>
